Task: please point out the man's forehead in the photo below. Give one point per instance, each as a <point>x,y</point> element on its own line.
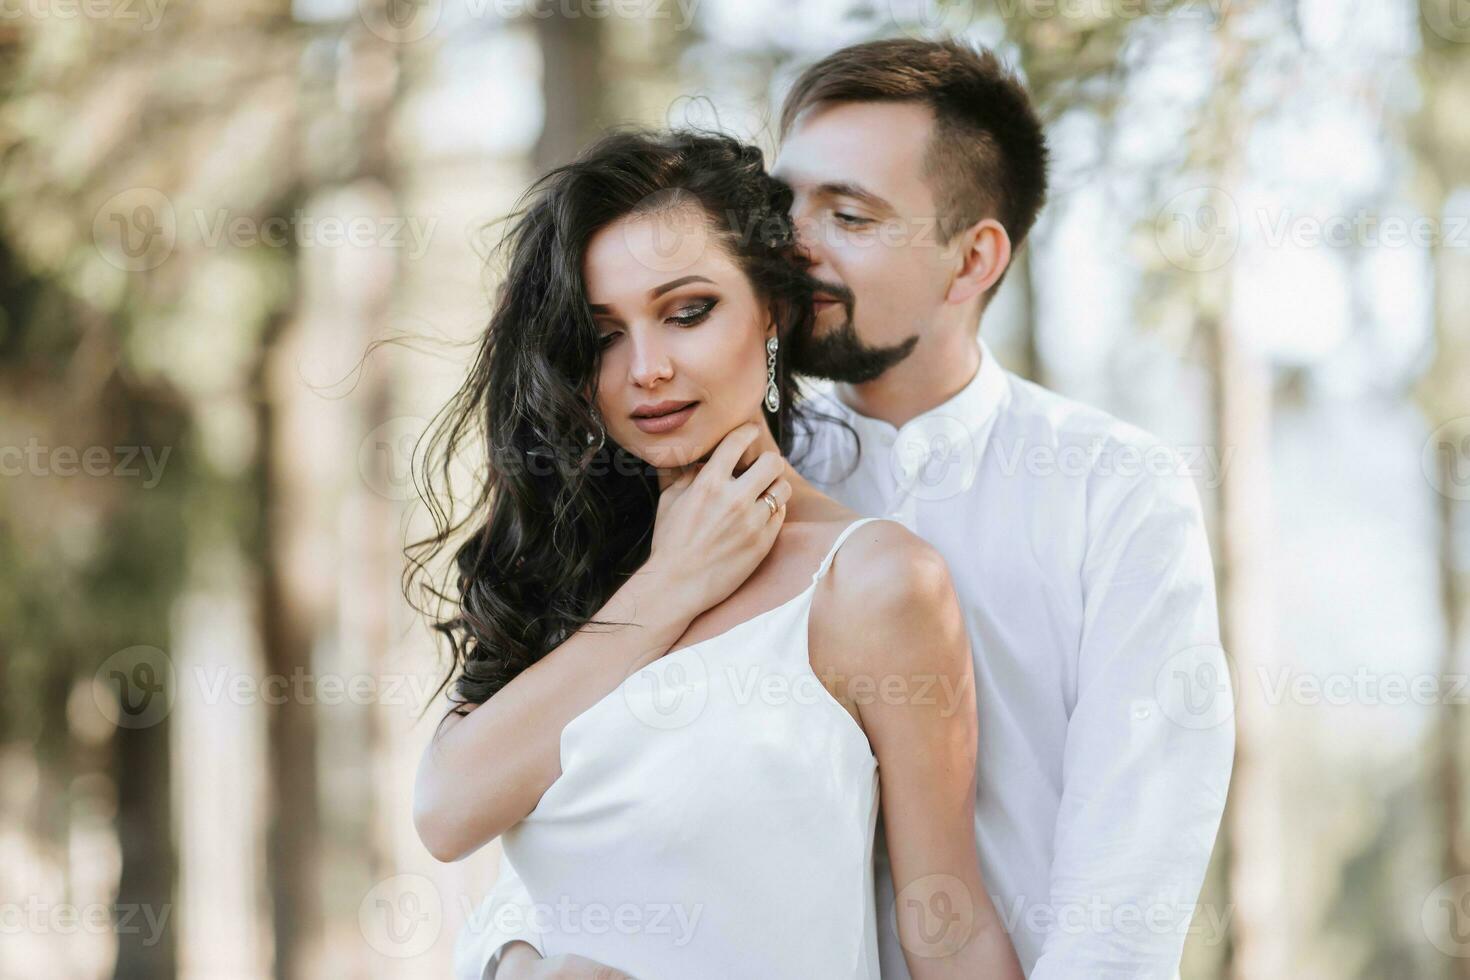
<point>875,145</point>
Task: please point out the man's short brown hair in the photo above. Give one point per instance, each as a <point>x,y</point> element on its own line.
<point>987,155</point>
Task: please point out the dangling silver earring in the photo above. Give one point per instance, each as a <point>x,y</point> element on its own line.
<point>773,394</point>
<point>596,440</point>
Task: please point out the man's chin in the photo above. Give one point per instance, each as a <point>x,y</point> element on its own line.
<point>834,351</point>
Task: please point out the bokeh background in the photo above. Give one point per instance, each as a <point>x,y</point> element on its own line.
<point>1257,246</point>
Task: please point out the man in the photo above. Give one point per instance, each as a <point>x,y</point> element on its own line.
<point>1075,541</point>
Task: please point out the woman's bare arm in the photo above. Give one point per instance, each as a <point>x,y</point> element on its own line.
<point>485,770</point>
<point>903,634</point>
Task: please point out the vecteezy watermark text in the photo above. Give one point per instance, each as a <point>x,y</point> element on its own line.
<point>34,459</point>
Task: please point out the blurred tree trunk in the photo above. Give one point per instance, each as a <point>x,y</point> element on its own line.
<point>147,545</point>
<point>145,888</point>
<point>1448,405</point>
<point>574,84</point>
<point>287,627</point>
<point>1440,139</point>
<point>1250,844</point>
<point>1451,730</point>
<point>1251,833</point>
<point>373,549</point>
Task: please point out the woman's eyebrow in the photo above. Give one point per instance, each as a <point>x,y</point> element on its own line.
<point>658,291</point>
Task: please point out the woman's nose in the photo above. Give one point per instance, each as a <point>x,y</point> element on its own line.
<point>651,363</point>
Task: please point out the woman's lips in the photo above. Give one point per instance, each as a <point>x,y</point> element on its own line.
<point>665,423</point>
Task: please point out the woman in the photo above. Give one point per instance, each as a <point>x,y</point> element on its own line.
<point>717,766</point>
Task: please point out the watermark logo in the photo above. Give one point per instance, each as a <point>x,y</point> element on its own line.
<point>385,457</point>
<point>673,920</point>
<point>35,916</point>
<point>1363,687</point>
<point>35,459</point>
<point>229,685</point>
<point>1445,459</point>
<point>401,916</point>
<point>148,12</point>
<point>1195,688</point>
<point>671,692</point>
<point>1198,230</point>
<point>928,19</point>
<point>1099,457</point>
<point>136,229</point>
<point>134,688</point>
<point>672,236</point>
<point>1445,917</point>
<point>936,916</point>
<point>1119,921</point>
<point>1450,19</point>
<point>934,457</point>
<point>401,21</point>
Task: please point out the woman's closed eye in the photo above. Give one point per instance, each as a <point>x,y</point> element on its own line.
<point>851,219</point>
<point>692,313</point>
<point>685,316</point>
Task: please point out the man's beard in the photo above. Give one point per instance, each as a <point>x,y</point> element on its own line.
<point>839,354</point>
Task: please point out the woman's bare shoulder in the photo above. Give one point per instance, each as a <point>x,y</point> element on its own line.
<point>890,593</point>
<point>883,559</point>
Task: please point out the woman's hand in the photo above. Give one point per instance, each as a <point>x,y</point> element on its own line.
<point>711,530</point>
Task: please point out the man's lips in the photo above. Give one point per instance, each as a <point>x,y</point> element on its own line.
<point>822,301</point>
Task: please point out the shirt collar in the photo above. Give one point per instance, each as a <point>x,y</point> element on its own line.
<point>958,429</point>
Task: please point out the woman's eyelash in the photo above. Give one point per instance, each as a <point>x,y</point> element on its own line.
<point>686,317</point>
<point>691,315</point>
<point>850,219</point>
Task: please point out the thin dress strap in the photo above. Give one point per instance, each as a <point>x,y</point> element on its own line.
<point>832,553</point>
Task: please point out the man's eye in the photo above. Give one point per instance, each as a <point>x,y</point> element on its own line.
<point>692,314</point>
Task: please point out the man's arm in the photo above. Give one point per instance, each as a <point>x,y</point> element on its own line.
<point>1150,742</point>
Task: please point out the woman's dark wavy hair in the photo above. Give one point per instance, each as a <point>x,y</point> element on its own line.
<point>560,518</point>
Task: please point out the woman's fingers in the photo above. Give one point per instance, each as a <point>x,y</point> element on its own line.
<point>780,491</point>
<point>722,461</point>
<point>768,467</point>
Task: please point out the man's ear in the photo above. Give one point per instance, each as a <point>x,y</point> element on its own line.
<point>983,251</point>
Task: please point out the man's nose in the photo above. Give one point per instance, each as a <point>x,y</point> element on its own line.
<point>809,245</point>
<point>805,236</point>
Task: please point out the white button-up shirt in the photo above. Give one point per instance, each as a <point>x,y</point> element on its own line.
<point>1079,556</point>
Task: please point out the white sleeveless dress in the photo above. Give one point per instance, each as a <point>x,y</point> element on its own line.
<point>714,818</point>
